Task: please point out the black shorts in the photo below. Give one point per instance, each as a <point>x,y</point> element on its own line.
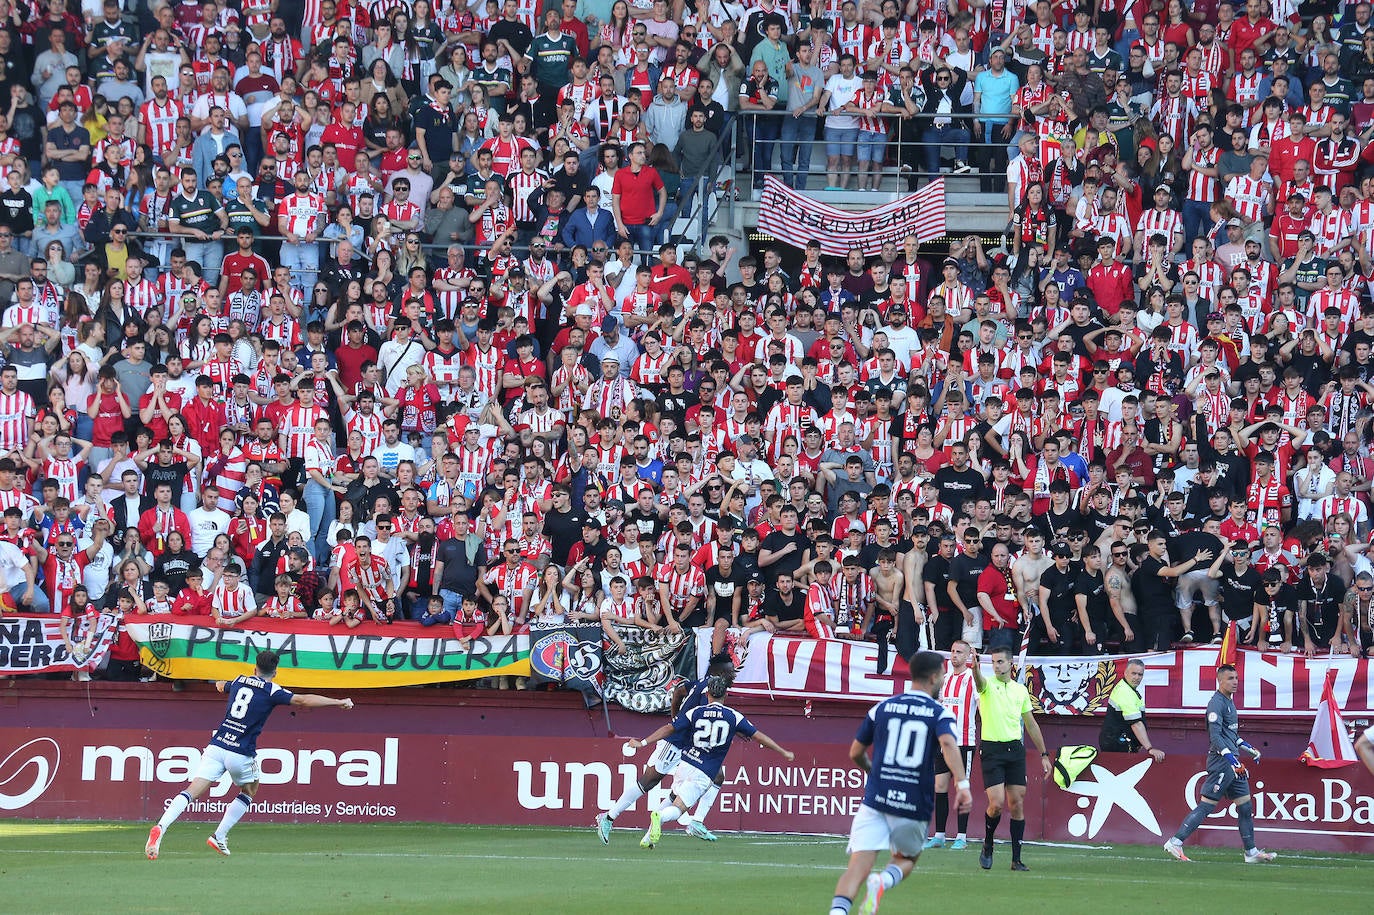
<point>965,753</point>
<point>1004,763</point>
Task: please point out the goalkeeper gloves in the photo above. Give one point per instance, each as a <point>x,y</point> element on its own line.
<point>1236,765</point>
<point>1251,750</point>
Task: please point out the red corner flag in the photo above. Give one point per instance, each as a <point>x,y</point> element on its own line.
<point>1226,654</point>
<point>1329,746</point>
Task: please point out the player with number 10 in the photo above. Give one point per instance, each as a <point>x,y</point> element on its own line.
<point>906,732</point>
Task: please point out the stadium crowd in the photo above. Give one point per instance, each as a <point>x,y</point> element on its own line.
<point>239,379</point>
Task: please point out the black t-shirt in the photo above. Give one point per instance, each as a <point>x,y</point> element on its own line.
<point>958,486</point>
<point>1099,607</point>
<point>173,474</point>
<point>868,553</point>
<point>1095,523</point>
<point>460,575</point>
<point>724,586</point>
<point>677,405</point>
<point>1323,609</point>
<point>16,210</point>
<point>1052,521</point>
<point>964,571</point>
<point>1154,594</point>
<point>1078,332</point>
<point>1355,336</point>
<point>1251,369</point>
<point>1277,605</point>
<point>439,126</point>
<point>645,522</point>
<point>563,530</point>
<point>746,564</point>
<point>936,574</point>
<point>1060,606</point>
<point>775,607</point>
<point>1315,370</point>
<point>571,185</point>
<point>515,32</point>
<point>792,561</point>
<point>1238,592</point>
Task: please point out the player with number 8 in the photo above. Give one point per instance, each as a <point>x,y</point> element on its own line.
<point>233,749</point>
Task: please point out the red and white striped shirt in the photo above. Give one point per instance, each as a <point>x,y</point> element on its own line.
<point>1203,188</point>
<point>160,123</point>
<point>959,696</point>
<point>522,185</point>
<point>66,474</point>
<point>1168,223</point>
<point>1329,230</point>
<point>369,426</point>
<point>228,603</point>
<point>514,582</point>
<point>1250,196</point>
<point>16,420</point>
<point>682,586</point>
<point>304,213</point>
<point>852,599</point>
<point>298,425</point>
<point>487,364</point>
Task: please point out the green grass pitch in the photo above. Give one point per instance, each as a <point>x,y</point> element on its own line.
<point>75,867</point>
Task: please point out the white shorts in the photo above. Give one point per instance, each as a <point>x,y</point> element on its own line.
<point>689,783</point>
<point>874,830</point>
<point>665,757</point>
<point>216,761</point>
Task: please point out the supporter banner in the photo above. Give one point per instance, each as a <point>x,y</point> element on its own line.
<point>31,643</point>
<point>641,678</point>
<point>569,656</point>
<point>320,656</point>
<point>1175,681</point>
<point>356,777</point>
<point>795,218</point>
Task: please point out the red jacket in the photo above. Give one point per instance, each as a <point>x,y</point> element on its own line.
<point>203,423</point>
<point>1283,153</point>
<point>155,539</point>
<point>189,603</point>
<point>1111,285</point>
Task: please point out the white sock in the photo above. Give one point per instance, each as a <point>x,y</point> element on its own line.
<point>236,809</point>
<point>939,835</point>
<point>963,836</point>
<point>669,814</point>
<point>632,794</point>
<point>707,802</point>
<point>175,808</point>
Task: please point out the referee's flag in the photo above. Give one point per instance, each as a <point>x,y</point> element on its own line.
<point>1226,654</point>
<point>1329,746</point>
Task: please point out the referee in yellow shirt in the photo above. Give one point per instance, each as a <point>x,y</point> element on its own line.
<point>1004,708</point>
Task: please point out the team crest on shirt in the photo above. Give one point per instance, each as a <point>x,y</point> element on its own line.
<point>1071,686</point>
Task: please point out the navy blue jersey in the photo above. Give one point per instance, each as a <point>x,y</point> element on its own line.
<point>251,700</point>
<point>696,697</point>
<point>904,732</point>
<point>705,733</point>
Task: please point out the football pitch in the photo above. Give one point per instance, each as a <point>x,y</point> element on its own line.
<point>74,867</point>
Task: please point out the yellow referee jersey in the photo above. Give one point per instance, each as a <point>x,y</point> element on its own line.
<point>1000,707</point>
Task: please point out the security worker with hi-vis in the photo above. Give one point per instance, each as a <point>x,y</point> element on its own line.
<point>1123,729</point>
